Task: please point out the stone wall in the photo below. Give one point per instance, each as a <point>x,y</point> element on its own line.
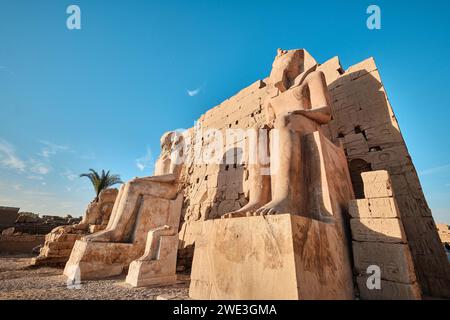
<point>20,243</point>
<point>8,216</point>
<point>379,240</point>
<point>444,232</point>
<point>363,121</point>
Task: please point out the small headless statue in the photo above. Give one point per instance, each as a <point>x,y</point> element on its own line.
<point>297,104</point>
<point>163,185</point>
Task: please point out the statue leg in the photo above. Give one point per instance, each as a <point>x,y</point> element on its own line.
<point>286,170</point>
<point>259,183</point>
<point>259,193</point>
<point>123,211</point>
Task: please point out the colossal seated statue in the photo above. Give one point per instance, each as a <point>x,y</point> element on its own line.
<point>164,184</point>
<point>289,241</point>
<point>143,204</point>
<point>297,105</point>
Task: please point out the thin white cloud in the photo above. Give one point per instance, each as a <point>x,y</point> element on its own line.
<point>146,161</point>
<point>435,170</point>
<point>193,93</point>
<point>40,168</point>
<point>38,193</point>
<point>69,175</point>
<point>51,148</point>
<point>33,177</point>
<point>8,157</point>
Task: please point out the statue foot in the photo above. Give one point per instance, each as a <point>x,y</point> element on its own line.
<point>101,236</point>
<point>245,211</point>
<point>274,207</point>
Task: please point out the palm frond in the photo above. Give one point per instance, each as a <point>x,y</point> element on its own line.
<point>101,181</point>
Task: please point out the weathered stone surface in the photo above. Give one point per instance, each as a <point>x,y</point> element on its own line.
<point>145,215</point>
<point>389,290</point>
<point>361,110</point>
<point>374,208</point>
<point>91,260</point>
<point>378,230</point>
<point>268,258</point>
<point>8,216</point>
<point>155,268</point>
<point>444,232</point>
<point>60,241</point>
<point>158,264</point>
<point>20,243</point>
<point>377,185</point>
<point>394,260</point>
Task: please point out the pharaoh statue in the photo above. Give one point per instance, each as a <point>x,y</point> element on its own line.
<point>163,185</point>
<point>297,104</point>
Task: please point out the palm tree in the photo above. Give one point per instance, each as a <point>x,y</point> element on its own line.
<point>103,181</point>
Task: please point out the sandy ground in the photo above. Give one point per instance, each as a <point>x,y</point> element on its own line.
<point>18,281</point>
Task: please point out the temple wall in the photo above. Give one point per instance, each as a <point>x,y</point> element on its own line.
<point>363,121</point>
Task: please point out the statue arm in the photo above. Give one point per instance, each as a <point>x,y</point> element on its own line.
<point>321,115</point>
<point>320,102</point>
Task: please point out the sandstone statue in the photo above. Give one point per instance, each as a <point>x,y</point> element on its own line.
<point>163,184</point>
<point>142,205</point>
<point>297,104</point>
<point>296,210</point>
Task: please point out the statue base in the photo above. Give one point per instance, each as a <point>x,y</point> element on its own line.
<point>97,260</point>
<point>280,257</point>
<point>160,270</point>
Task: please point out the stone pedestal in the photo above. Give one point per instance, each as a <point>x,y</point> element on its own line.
<point>161,270</point>
<point>94,260</point>
<point>97,260</point>
<point>158,264</point>
<point>282,257</point>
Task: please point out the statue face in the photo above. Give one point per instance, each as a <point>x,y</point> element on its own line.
<point>286,67</point>
<point>170,142</point>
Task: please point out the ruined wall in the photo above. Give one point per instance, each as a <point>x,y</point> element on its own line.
<point>20,243</point>
<point>364,122</point>
<point>60,241</point>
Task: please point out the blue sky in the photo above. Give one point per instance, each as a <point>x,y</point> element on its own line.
<point>102,96</point>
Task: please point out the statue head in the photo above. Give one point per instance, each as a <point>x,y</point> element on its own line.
<point>170,140</point>
<point>290,65</point>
